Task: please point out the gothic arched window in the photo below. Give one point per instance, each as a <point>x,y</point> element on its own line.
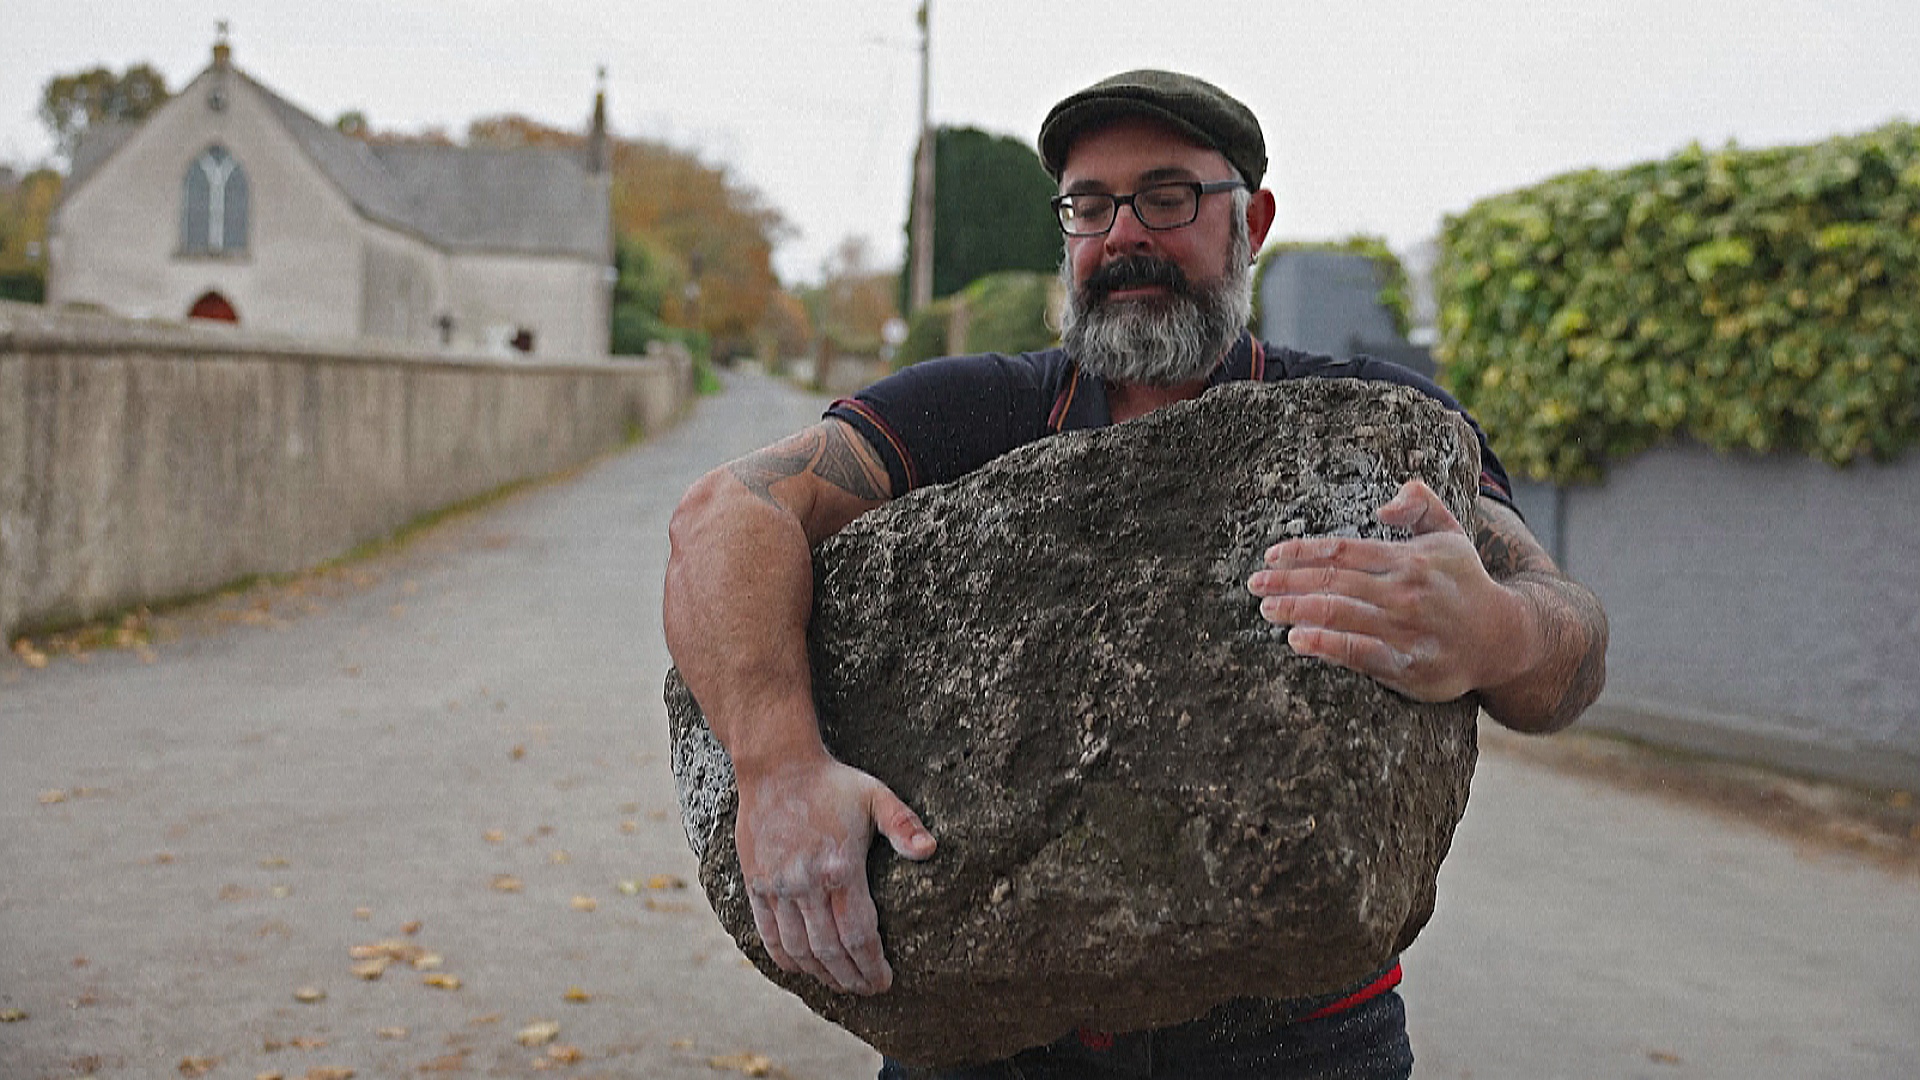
<point>213,212</point>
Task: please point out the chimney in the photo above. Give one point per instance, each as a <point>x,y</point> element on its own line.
<point>222,52</point>
<point>597,138</point>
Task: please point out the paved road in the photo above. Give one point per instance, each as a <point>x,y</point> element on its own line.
<point>465,741</point>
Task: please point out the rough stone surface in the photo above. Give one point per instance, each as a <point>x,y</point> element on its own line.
<point>1145,802</point>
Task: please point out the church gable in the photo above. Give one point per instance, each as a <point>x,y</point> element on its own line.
<point>232,202</point>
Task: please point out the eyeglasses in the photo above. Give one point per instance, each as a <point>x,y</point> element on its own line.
<point>1159,206</point>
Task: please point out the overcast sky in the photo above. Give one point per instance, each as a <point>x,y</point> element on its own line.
<point>1381,117</point>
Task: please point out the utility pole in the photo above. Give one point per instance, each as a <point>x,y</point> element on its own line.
<point>920,274</point>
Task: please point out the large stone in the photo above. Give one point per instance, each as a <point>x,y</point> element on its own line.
<point>1145,802</point>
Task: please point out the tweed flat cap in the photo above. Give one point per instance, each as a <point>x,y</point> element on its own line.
<point>1192,106</point>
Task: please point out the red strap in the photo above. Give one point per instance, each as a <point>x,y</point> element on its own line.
<point>1361,996</point>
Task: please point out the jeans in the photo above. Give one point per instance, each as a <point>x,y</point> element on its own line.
<point>1366,1042</point>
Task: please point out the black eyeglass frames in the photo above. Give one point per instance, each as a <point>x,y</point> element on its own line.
<point>1171,205</point>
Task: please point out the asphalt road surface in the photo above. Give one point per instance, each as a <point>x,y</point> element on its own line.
<point>412,817</point>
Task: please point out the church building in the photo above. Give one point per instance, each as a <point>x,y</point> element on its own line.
<point>231,203</point>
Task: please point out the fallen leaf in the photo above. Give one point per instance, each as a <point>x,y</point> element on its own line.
<point>371,969</point>
<point>681,1044</point>
<point>162,858</point>
<point>442,982</point>
<point>364,914</point>
<point>454,1062</point>
<point>427,961</point>
<point>483,1021</point>
<point>629,887</point>
<point>629,827</point>
<point>411,928</point>
<point>494,836</point>
<point>404,952</point>
<point>585,903</point>
<point>308,995</point>
<point>270,1076</point>
<point>750,1064</point>
<point>539,1033</point>
<point>28,654</point>
<point>665,881</point>
<point>231,893</point>
<point>198,1066</point>
<point>506,883</point>
<point>306,1042</point>
<point>559,858</point>
<point>281,892</point>
<point>577,995</point>
<point>12,1016</point>
<point>394,1033</point>
<point>274,863</point>
<point>565,1055</point>
<point>1662,1057</point>
<point>517,753</point>
<point>329,1072</point>
<point>671,907</point>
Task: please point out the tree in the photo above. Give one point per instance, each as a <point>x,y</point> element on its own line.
<point>854,300</point>
<point>990,209</point>
<point>25,204</point>
<point>718,232</point>
<point>71,104</point>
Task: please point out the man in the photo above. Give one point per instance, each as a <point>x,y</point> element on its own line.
<point>1162,210</point>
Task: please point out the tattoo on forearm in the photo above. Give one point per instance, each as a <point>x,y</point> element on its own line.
<point>1506,549</point>
<point>1568,612</point>
<point>822,450</point>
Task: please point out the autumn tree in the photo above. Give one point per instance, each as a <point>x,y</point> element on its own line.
<point>70,104</point>
<point>854,299</point>
<point>26,202</point>
<point>709,234</point>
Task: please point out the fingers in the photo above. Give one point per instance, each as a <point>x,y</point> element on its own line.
<point>832,935</point>
<point>1417,508</point>
<point>901,826</point>
<point>1360,652</point>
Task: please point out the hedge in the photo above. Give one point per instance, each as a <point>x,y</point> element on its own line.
<point>1006,312</point>
<point>1755,300</point>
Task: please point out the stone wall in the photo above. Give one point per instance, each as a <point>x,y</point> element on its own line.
<point>142,462</point>
<point>1763,607</point>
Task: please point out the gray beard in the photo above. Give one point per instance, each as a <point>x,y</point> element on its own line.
<point>1164,341</point>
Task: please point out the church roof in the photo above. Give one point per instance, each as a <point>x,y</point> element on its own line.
<point>523,200</point>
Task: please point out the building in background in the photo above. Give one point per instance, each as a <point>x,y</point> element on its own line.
<point>231,203</point>
<point>1328,302</point>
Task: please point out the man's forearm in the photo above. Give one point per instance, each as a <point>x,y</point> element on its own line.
<point>1571,631</point>
<point>739,589</point>
<point>1565,631</point>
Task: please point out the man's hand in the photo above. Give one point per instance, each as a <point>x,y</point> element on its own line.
<point>802,833</point>
<point>1421,615</point>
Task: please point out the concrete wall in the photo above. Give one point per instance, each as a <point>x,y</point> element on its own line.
<point>1765,608</point>
<point>140,463</point>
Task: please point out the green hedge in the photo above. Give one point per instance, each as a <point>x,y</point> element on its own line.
<point>1006,313</point>
<point>1748,299</point>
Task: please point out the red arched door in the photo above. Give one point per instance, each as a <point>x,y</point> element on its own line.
<point>214,306</point>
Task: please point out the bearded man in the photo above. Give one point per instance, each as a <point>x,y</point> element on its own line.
<point>1161,207</point>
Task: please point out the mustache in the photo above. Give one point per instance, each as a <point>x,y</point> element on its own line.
<point>1132,272</point>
